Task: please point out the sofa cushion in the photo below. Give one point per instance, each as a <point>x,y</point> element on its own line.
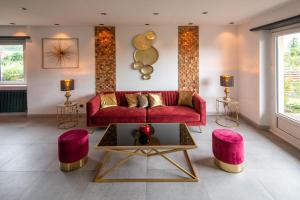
<point>172,114</point>
<point>120,114</point>
<point>108,100</point>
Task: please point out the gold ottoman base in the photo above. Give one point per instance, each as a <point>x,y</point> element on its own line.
<point>67,167</point>
<point>229,167</point>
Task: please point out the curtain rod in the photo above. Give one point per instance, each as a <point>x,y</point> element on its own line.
<point>15,37</point>
<point>278,24</point>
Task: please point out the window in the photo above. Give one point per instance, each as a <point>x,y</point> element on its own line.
<point>12,70</point>
<point>288,74</point>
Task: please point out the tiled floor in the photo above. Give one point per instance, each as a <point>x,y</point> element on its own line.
<point>29,168</point>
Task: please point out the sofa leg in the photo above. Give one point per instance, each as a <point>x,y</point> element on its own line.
<point>200,129</point>
<point>91,130</point>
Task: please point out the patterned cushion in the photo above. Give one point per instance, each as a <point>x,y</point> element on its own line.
<point>186,98</point>
<point>132,99</point>
<point>108,100</point>
<point>155,99</point>
<point>143,100</point>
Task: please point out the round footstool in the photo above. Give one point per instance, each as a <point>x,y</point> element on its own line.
<point>228,149</point>
<point>73,148</point>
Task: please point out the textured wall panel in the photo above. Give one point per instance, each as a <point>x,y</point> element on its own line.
<point>188,58</point>
<point>105,52</point>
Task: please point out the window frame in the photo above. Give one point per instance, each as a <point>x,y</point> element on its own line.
<point>277,33</point>
<point>16,42</point>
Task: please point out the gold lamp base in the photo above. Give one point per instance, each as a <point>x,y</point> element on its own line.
<point>229,167</point>
<point>226,91</point>
<point>68,95</point>
<point>67,167</point>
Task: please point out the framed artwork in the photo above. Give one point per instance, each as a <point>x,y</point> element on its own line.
<point>60,53</point>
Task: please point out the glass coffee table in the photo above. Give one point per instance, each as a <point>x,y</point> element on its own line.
<point>165,138</point>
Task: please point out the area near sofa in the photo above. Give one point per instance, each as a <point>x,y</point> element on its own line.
<point>195,116</point>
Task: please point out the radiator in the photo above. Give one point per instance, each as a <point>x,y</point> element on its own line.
<point>13,101</point>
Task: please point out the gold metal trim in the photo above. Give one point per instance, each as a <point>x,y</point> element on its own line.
<point>147,57</point>
<point>150,35</point>
<point>146,76</point>
<point>229,167</point>
<point>67,167</point>
<point>141,42</point>
<point>100,177</point>
<point>146,70</point>
<point>137,65</point>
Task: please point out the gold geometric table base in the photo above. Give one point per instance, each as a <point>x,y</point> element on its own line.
<point>100,177</point>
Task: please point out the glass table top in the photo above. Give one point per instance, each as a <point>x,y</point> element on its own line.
<point>162,134</point>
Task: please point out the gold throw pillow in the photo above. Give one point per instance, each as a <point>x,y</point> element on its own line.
<point>143,100</point>
<point>155,99</point>
<point>186,98</point>
<point>108,100</point>
<point>132,99</point>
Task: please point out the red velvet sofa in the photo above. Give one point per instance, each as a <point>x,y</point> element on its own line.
<point>172,112</point>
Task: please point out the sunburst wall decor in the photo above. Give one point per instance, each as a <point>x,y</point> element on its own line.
<point>60,53</point>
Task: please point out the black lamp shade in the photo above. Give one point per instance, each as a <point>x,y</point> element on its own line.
<point>67,85</point>
<point>226,81</point>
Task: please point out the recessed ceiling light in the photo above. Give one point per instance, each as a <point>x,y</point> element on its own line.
<point>190,23</point>
<point>156,13</point>
<point>56,24</point>
<point>23,8</point>
<point>204,13</point>
<point>231,23</point>
<point>147,24</point>
<point>12,23</point>
<point>103,13</point>
<point>101,24</point>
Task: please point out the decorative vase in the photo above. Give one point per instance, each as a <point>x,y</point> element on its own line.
<point>145,129</point>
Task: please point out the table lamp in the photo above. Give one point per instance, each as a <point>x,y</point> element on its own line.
<point>67,85</point>
<point>226,81</point>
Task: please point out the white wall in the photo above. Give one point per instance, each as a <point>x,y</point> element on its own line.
<point>250,61</point>
<point>44,84</point>
<point>218,55</point>
<point>165,75</point>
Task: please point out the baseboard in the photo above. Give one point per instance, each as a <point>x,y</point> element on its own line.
<point>253,123</point>
<point>286,137</point>
<point>14,114</point>
<point>50,115</point>
<point>34,115</point>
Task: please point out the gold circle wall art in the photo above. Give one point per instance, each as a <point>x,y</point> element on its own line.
<point>145,55</point>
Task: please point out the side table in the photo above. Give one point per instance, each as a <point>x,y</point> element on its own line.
<point>230,117</point>
<point>67,115</point>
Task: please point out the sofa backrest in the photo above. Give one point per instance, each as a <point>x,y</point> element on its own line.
<point>170,97</point>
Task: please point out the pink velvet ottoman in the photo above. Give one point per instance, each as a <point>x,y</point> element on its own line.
<point>228,149</point>
<point>73,148</point>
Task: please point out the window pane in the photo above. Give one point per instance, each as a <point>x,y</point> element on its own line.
<point>11,63</point>
<point>288,48</point>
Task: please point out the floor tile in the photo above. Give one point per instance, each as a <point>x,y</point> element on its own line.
<point>115,191</point>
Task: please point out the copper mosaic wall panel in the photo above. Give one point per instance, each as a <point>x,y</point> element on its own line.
<point>105,52</point>
<point>188,58</point>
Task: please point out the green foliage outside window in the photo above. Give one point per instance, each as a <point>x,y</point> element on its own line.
<point>292,85</point>
<point>11,63</point>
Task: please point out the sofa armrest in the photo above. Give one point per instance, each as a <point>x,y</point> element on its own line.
<point>92,106</point>
<point>200,107</point>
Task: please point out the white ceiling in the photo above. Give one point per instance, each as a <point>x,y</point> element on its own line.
<point>132,12</point>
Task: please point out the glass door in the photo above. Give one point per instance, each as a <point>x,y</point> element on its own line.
<point>288,74</point>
